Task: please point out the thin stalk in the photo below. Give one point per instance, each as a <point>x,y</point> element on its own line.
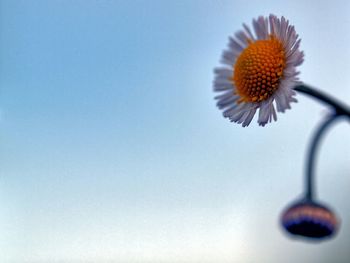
<point>340,109</point>
<point>311,157</point>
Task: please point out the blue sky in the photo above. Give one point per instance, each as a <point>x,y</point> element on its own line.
<point>112,149</point>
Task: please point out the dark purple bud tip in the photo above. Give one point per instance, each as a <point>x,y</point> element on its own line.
<point>309,219</point>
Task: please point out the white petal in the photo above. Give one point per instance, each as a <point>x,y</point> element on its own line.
<point>222,86</point>
<point>226,100</point>
<point>228,58</point>
<point>242,37</point>
<point>235,46</point>
<point>266,112</point>
<point>283,97</point>
<point>242,113</point>
<point>259,28</point>
<point>283,30</point>
<point>223,71</point>
<point>272,19</point>
<point>249,32</point>
<point>249,117</point>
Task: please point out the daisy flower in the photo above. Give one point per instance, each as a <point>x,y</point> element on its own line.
<point>259,71</point>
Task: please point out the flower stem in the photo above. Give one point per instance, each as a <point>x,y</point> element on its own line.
<point>311,157</point>
<point>340,109</point>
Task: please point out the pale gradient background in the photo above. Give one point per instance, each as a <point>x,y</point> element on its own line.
<point>112,149</point>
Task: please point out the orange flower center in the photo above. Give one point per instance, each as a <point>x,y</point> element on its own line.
<point>259,69</point>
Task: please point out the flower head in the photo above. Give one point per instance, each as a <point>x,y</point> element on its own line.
<point>309,219</point>
<point>259,71</point>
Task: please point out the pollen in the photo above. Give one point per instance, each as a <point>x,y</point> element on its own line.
<point>259,69</point>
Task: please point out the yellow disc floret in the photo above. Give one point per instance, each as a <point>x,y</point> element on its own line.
<point>259,69</point>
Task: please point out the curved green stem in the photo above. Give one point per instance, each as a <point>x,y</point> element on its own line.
<point>311,157</point>
<point>340,109</point>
